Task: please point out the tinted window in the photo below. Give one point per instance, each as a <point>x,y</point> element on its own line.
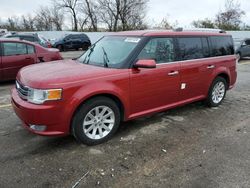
<point>190,48</point>
<point>159,49</point>
<point>247,42</point>
<point>222,46</point>
<point>30,49</point>
<point>205,46</point>
<point>14,49</point>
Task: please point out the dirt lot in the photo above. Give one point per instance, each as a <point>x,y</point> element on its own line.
<point>192,146</point>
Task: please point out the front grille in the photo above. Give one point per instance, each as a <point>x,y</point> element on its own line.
<point>22,90</point>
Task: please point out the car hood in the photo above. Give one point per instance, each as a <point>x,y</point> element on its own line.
<point>60,73</point>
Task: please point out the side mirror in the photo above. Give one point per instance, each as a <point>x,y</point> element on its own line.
<point>145,63</point>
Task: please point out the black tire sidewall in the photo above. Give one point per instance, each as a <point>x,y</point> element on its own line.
<point>77,128</point>
<point>210,102</point>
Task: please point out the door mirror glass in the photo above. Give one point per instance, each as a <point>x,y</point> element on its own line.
<point>146,63</point>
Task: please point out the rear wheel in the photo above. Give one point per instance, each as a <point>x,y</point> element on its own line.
<point>85,46</point>
<point>60,47</point>
<point>217,92</point>
<point>96,121</point>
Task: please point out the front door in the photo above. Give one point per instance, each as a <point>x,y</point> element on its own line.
<point>155,89</point>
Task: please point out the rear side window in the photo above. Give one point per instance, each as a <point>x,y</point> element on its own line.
<point>159,49</point>
<point>14,49</point>
<point>221,46</point>
<point>247,42</point>
<point>190,48</point>
<point>30,49</point>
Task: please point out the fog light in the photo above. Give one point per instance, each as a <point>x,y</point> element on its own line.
<point>38,128</point>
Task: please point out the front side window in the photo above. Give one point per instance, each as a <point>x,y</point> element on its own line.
<point>12,48</point>
<point>190,48</point>
<point>159,49</point>
<point>110,51</point>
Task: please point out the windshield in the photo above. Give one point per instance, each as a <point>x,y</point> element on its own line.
<point>110,51</point>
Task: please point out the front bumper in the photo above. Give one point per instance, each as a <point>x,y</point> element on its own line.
<point>52,115</point>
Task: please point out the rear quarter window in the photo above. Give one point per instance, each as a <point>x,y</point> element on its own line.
<point>30,49</point>
<point>221,45</point>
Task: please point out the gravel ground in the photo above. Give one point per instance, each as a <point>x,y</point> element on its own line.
<point>191,146</point>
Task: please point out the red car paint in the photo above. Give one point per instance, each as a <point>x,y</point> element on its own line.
<point>11,64</point>
<point>140,91</point>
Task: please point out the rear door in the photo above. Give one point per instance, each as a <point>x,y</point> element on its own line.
<point>196,68</point>
<point>15,56</point>
<point>155,89</point>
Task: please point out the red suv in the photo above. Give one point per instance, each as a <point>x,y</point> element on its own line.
<point>123,77</point>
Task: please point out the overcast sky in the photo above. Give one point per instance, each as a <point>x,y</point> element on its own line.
<point>181,10</point>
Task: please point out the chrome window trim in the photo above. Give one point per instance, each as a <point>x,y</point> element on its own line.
<point>194,60</point>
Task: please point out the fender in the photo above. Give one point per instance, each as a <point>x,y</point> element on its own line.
<point>97,88</point>
<point>218,71</point>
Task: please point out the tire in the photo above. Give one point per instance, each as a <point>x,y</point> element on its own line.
<point>97,132</point>
<point>217,92</point>
<point>85,46</point>
<point>60,48</point>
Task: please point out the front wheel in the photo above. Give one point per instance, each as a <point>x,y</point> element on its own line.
<point>217,92</point>
<point>96,121</point>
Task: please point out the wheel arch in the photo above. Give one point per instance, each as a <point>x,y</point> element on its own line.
<point>225,76</point>
<point>113,97</point>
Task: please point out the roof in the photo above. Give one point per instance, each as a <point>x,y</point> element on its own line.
<point>16,40</point>
<point>169,33</point>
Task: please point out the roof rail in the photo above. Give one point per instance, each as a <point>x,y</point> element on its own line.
<point>205,30</point>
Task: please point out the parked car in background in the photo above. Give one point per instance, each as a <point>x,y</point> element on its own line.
<point>3,32</point>
<point>32,37</point>
<point>242,48</point>
<point>73,42</point>
<point>123,77</point>
<point>15,54</point>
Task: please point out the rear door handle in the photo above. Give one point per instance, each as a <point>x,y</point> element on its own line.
<point>172,73</point>
<point>210,66</point>
<point>28,58</point>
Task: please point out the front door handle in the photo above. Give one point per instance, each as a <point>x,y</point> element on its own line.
<point>173,73</point>
<point>210,66</point>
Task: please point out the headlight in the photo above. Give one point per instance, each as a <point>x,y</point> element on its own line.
<point>38,96</point>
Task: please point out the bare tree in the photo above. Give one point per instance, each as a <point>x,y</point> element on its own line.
<point>110,12</point>
<point>13,24</point>
<point>43,19</point>
<point>206,23</point>
<point>90,8</point>
<point>230,18</point>
<point>132,13</point>
<point>28,23</point>
<point>72,6</point>
<point>57,17</point>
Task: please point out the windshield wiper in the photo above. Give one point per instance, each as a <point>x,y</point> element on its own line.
<point>91,51</point>
<point>105,58</point>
